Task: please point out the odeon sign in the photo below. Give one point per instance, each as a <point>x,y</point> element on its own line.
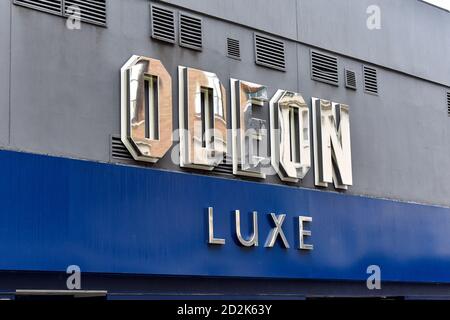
<point>147,128</point>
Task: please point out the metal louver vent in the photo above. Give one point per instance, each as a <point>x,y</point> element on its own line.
<point>224,168</point>
<point>163,24</point>
<point>190,32</point>
<point>119,151</point>
<point>370,80</point>
<point>270,52</point>
<point>324,68</point>
<point>448,103</point>
<point>91,11</point>
<point>350,79</point>
<point>233,49</point>
<point>51,6</point>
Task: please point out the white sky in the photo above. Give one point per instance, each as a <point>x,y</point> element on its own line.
<point>440,3</point>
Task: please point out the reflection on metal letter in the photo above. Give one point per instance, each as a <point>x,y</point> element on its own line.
<point>273,235</point>
<point>332,149</point>
<point>203,126</point>
<point>253,240</point>
<point>211,238</point>
<point>146,108</point>
<point>249,132</point>
<point>289,135</point>
<point>302,233</point>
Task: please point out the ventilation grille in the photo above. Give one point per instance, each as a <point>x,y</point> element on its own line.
<point>233,49</point>
<point>51,6</point>
<point>190,32</point>
<point>224,168</point>
<point>350,79</point>
<point>370,80</point>
<point>448,103</point>
<point>91,11</point>
<point>163,24</point>
<point>324,68</point>
<point>118,150</point>
<point>270,52</point>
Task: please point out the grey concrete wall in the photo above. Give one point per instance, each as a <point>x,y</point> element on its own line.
<point>65,88</point>
<point>5,7</point>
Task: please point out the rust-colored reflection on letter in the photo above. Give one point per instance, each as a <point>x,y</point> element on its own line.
<point>147,129</point>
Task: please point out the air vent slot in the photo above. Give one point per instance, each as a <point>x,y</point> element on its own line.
<point>51,6</point>
<point>224,168</point>
<point>163,24</point>
<point>448,103</point>
<point>91,11</point>
<point>119,151</point>
<point>270,52</point>
<point>370,80</point>
<point>190,30</point>
<point>350,79</point>
<point>233,49</point>
<point>324,68</point>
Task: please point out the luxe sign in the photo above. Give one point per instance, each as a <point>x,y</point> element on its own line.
<point>274,234</point>
<point>146,125</point>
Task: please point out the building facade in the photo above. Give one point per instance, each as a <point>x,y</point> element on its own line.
<point>76,193</point>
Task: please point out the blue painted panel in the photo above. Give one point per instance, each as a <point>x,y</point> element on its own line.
<point>117,219</point>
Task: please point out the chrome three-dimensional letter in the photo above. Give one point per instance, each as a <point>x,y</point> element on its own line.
<point>253,239</point>
<point>211,238</point>
<point>277,230</point>
<point>332,149</point>
<point>203,124</point>
<point>289,135</point>
<point>249,132</point>
<point>146,108</point>
<point>302,233</point>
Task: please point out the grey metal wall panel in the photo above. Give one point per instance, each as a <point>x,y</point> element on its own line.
<point>65,84</point>
<point>5,7</point>
<point>66,94</point>
<point>277,17</point>
<point>413,37</point>
<point>399,146</point>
